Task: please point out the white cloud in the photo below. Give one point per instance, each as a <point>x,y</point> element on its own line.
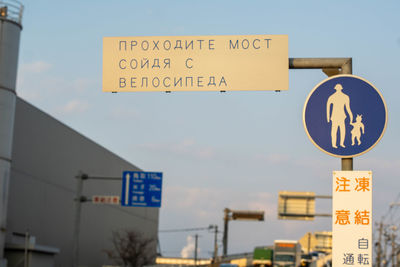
<point>81,84</point>
<point>35,67</point>
<point>188,250</point>
<point>259,202</point>
<point>121,112</point>
<point>27,79</point>
<point>186,147</point>
<point>74,106</point>
<point>36,84</point>
<point>205,152</point>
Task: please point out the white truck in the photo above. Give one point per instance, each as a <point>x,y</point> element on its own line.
<point>287,253</point>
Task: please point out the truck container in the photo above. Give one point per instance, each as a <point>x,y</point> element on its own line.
<point>287,253</point>
<point>263,256</point>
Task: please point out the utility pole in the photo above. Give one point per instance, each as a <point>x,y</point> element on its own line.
<point>215,243</point>
<point>393,237</point>
<point>78,206</point>
<point>225,237</point>
<point>379,248</point>
<point>196,237</point>
<point>79,198</point>
<point>210,227</point>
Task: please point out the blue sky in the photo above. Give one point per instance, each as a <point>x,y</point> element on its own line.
<point>236,149</point>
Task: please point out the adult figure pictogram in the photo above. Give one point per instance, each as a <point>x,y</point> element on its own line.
<point>340,104</point>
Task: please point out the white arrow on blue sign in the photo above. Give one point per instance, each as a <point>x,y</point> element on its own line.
<point>141,189</point>
<point>345,116</point>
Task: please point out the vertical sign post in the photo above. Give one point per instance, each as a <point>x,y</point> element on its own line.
<point>345,116</point>
<point>352,218</point>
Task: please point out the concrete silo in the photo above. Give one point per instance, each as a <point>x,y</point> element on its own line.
<point>10,29</point>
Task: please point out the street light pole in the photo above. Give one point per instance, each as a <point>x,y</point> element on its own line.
<point>79,198</point>
<point>225,237</point>
<point>196,237</point>
<point>238,215</point>
<point>78,206</point>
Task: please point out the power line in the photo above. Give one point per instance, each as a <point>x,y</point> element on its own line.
<point>120,209</point>
<point>66,189</point>
<point>42,180</point>
<point>187,229</point>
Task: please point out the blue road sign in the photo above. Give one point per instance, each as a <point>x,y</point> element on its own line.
<point>141,189</point>
<point>345,116</point>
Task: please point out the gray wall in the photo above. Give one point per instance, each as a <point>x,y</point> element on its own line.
<point>47,155</point>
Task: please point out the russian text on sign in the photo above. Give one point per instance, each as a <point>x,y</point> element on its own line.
<point>204,63</point>
<point>175,82</point>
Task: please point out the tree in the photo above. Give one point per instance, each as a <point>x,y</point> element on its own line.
<point>131,249</point>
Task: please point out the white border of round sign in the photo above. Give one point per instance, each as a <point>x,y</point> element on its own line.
<point>330,78</point>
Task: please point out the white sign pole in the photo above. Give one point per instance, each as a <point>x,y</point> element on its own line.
<point>127,188</point>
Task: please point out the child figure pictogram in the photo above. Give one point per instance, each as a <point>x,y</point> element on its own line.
<point>358,128</point>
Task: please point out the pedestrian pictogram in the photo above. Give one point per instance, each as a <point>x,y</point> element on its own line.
<point>345,116</point>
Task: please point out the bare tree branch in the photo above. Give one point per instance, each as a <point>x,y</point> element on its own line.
<point>131,249</point>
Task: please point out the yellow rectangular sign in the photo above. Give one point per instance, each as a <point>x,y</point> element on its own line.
<point>195,63</point>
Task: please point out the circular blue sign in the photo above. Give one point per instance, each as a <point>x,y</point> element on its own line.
<point>345,116</point>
